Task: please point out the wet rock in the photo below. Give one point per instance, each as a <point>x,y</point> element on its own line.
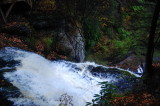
<point>7,90</point>
<point>106,70</point>
<point>11,63</point>
<point>7,66</point>
<point>125,80</point>
<point>132,63</point>
<point>2,63</point>
<point>7,63</point>
<point>99,69</point>
<point>4,101</point>
<point>90,67</point>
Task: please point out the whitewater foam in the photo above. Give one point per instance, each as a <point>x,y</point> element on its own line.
<point>43,82</point>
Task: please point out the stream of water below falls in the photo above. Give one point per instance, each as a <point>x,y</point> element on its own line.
<point>42,82</point>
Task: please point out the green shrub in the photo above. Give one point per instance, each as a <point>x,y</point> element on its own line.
<point>125,45</point>
<point>92,33</point>
<point>137,8</point>
<point>123,33</point>
<point>109,32</point>
<point>108,93</point>
<point>48,42</point>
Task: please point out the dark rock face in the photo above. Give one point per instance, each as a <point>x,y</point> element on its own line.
<point>45,16</point>
<point>71,45</point>
<point>46,21</point>
<point>41,22</point>
<point>17,28</point>
<point>69,40</point>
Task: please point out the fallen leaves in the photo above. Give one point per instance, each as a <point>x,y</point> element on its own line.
<point>141,99</point>
<point>12,41</point>
<point>39,46</point>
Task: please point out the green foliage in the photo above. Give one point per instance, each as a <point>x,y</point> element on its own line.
<point>124,46</point>
<point>157,53</point>
<point>111,50</point>
<point>109,32</point>
<point>122,26</point>
<point>97,58</point>
<point>92,33</point>
<point>126,43</point>
<point>137,8</point>
<point>126,73</point>
<point>123,33</point>
<point>107,93</point>
<point>141,1</point>
<point>128,35</point>
<point>48,41</point>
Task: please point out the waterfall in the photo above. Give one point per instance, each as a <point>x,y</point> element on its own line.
<point>49,83</point>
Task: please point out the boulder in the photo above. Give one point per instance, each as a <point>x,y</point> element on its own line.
<point>132,63</point>
<point>124,80</point>
<point>71,46</point>
<point>106,70</point>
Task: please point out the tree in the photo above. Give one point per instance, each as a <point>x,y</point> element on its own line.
<point>150,50</point>
<point>149,72</point>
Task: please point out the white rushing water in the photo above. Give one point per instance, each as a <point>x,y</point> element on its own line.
<point>49,83</point>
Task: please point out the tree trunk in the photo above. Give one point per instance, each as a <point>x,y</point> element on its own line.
<point>149,56</point>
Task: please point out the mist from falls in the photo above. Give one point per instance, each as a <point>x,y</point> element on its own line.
<point>51,83</point>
